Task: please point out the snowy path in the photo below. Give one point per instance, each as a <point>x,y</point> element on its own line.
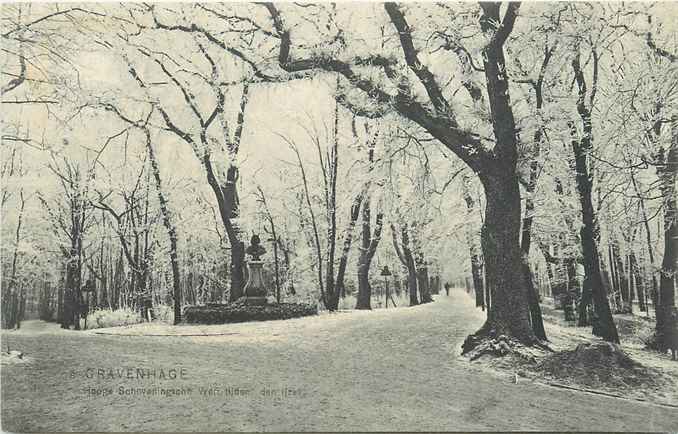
<point>382,370</point>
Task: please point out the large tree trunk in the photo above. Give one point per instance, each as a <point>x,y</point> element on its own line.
<point>232,207</point>
<point>667,321</point>
<point>405,256</point>
<point>509,314</point>
<point>364,297</point>
<point>237,269</point>
<point>369,241</point>
<point>368,248</point>
<point>348,240</point>
<point>227,200</point>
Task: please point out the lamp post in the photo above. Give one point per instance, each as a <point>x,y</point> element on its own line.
<point>386,273</point>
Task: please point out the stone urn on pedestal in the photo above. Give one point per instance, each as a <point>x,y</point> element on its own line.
<point>255,288</point>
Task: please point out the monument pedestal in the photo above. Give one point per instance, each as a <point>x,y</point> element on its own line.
<point>254,301</point>
<point>255,288</point>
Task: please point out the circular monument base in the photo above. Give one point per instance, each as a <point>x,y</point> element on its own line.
<point>216,313</point>
<point>253,301</point>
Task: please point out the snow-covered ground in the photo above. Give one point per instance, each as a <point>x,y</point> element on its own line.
<point>389,370</point>
<point>660,371</point>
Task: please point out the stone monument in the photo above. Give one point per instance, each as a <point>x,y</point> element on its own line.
<point>255,288</point>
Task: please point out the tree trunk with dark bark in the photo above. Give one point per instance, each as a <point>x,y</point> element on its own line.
<point>525,244</point>
<point>654,290</point>
<point>412,282</point>
<point>368,248</point>
<point>423,281</point>
<point>421,265</point>
<point>406,258</point>
<point>10,314</point>
<point>343,261</point>
<point>622,278</point>
<point>60,296</point>
<point>474,251</point>
<point>227,201</point>
<point>667,316</point>
<point>603,325</point>
<point>276,261</point>
<point>611,278</point>
<point>171,230</point>
<point>69,299</point>
<point>639,281</point>
<point>332,292</point>
<point>508,314</point>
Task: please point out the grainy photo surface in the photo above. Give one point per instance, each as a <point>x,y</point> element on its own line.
<point>353,216</point>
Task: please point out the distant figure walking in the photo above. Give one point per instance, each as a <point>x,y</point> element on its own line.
<point>447,289</point>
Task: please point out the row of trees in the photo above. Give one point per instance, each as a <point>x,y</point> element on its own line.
<point>556,122</point>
